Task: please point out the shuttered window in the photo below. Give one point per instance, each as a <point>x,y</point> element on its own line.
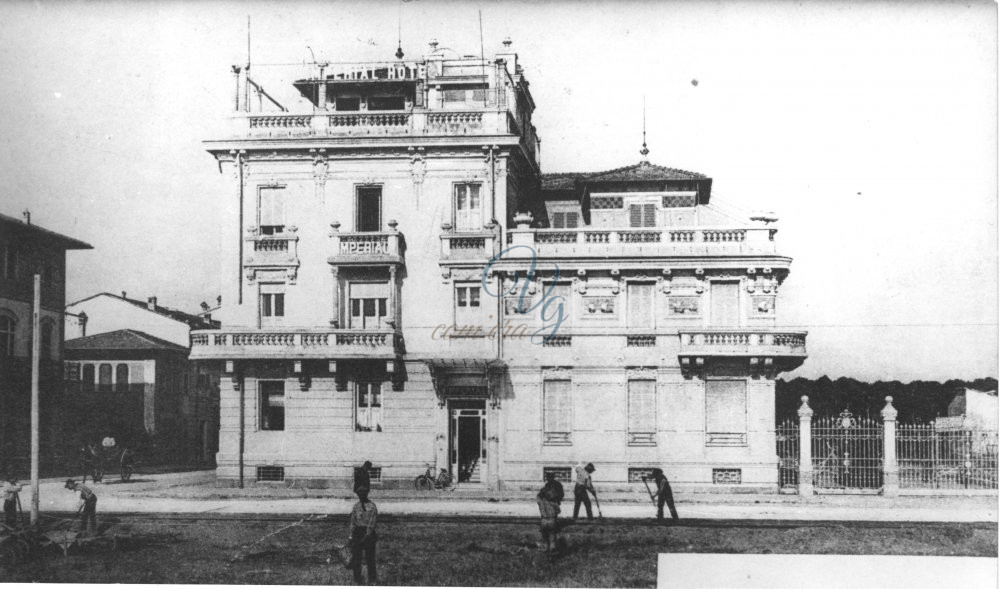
<point>557,414</point>
<point>640,305</point>
<point>272,405</point>
<point>369,407</point>
<point>642,406</point>
<point>565,220</point>
<point>642,215</point>
<point>726,412</point>
<point>271,212</point>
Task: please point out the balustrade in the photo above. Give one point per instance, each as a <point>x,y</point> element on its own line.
<point>292,343</point>
<point>648,242</point>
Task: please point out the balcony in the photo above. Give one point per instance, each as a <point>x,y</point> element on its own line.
<point>363,249</point>
<point>767,350</point>
<point>402,123</point>
<point>271,252</point>
<point>676,241</point>
<point>237,344</point>
<point>468,246</point>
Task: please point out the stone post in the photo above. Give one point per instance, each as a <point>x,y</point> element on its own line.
<point>805,449</point>
<point>890,470</point>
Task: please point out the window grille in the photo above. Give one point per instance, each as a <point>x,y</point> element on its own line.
<point>271,474</point>
<point>635,473</point>
<point>563,474</point>
<point>727,476</point>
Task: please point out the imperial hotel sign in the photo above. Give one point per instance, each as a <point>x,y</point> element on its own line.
<point>405,285</point>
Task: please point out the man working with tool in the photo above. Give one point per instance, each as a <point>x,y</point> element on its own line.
<point>88,505</point>
<point>663,494</point>
<point>11,500</point>
<point>584,484</point>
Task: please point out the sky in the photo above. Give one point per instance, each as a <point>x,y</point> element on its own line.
<point>869,128</point>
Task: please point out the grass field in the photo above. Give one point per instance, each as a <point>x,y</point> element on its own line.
<point>451,553</point>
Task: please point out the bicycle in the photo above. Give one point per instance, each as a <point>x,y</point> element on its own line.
<point>427,482</point>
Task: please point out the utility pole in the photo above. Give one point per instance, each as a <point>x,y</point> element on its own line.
<point>36,347</point>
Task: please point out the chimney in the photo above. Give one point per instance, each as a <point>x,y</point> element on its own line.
<point>82,317</point>
<point>218,300</point>
<point>27,216</point>
<point>151,303</point>
<point>123,294</point>
<point>204,306</point>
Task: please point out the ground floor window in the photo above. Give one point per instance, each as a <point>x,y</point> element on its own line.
<point>557,419</point>
<point>726,413</point>
<point>369,406</point>
<point>642,412</point>
<point>272,405</point>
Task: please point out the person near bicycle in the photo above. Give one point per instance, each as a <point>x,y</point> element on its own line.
<point>362,476</point>
<point>10,499</point>
<point>548,500</point>
<point>584,484</point>
<point>361,527</point>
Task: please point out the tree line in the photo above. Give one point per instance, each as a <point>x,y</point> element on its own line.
<point>917,401</point>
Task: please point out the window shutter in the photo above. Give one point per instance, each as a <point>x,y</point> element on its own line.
<point>572,220</point>
<point>557,406</point>
<point>272,207</point>
<point>558,220</point>
<point>635,215</point>
<point>649,215</point>
<point>642,406</point>
<point>725,406</point>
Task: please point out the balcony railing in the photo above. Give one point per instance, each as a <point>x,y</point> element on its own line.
<point>742,342</point>
<point>473,245</point>
<point>642,242</point>
<point>367,248</point>
<point>271,250</point>
<point>468,121</point>
<point>237,343</point>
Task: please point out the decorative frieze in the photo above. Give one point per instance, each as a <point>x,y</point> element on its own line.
<point>684,306</point>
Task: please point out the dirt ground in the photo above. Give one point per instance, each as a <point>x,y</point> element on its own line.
<point>618,554</point>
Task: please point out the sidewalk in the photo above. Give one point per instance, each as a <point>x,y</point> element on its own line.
<point>194,492</point>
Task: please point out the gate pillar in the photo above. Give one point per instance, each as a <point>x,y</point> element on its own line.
<point>890,469</point>
<point>805,449</point>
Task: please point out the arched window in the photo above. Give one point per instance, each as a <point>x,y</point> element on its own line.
<point>47,340</point>
<point>121,378</point>
<point>6,336</point>
<point>104,378</point>
<point>87,380</point>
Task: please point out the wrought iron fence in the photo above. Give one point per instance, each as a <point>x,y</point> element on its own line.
<point>847,452</point>
<point>932,457</point>
<point>787,439</point>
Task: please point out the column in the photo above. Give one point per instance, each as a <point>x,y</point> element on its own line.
<point>321,98</point>
<point>890,470</point>
<point>335,311</point>
<point>805,449</point>
<point>393,297</point>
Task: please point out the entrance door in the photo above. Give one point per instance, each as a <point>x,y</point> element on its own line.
<point>725,304</point>
<point>468,440</point>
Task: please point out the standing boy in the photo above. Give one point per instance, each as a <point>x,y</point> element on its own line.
<point>88,505</point>
<point>584,484</point>
<point>361,527</point>
<point>549,499</point>
<point>10,500</point>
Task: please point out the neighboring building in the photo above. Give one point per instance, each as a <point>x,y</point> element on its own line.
<point>361,301</point>
<point>973,409</point>
<point>181,407</point>
<point>26,250</point>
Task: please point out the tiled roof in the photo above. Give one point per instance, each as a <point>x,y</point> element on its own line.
<point>18,225</point>
<point>123,339</point>
<point>642,171</point>
<point>193,321</point>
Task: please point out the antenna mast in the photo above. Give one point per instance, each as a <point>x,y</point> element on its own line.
<point>644,151</point>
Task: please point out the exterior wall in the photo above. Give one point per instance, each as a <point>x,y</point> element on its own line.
<point>106,313</point>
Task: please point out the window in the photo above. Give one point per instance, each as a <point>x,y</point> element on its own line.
<point>557,421</point>
<point>642,215</point>
<point>272,405</point>
<point>727,476</point>
<point>640,304</point>
<point>386,103</point>
<point>642,412</point>
<point>725,299</point>
<point>369,407</point>
<point>104,378</point>
<point>121,378</point>
<point>369,304</point>
<point>271,211</point>
<point>563,474</point>
<point>725,412</point>
<point>369,208</point>
<point>87,381</point>
<point>468,208</point>
<point>467,296</point>
<point>6,336</point>
<point>46,344</point>
<point>465,95</point>
<point>270,474</point>
<point>348,103</point>
<point>565,220</point>
<point>636,473</point>
<point>272,304</point>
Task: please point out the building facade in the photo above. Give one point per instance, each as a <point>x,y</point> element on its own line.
<point>27,250</point>
<point>405,286</point>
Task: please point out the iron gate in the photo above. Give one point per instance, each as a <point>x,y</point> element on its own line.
<point>847,453</point>
<point>931,457</point>
<point>787,439</point>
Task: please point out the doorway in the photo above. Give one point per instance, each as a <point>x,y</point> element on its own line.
<point>467,440</point>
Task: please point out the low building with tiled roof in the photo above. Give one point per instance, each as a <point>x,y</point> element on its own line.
<point>105,312</point>
<point>136,387</point>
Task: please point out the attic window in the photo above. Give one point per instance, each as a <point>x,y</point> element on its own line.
<point>565,220</point>
<point>678,201</point>
<point>386,103</point>
<point>642,215</point>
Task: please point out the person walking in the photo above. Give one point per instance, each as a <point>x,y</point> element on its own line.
<point>10,501</point>
<point>88,505</point>
<point>362,476</point>
<point>361,526</point>
<point>663,494</point>
<point>584,484</point>
<point>86,463</point>
<point>548,500</point>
